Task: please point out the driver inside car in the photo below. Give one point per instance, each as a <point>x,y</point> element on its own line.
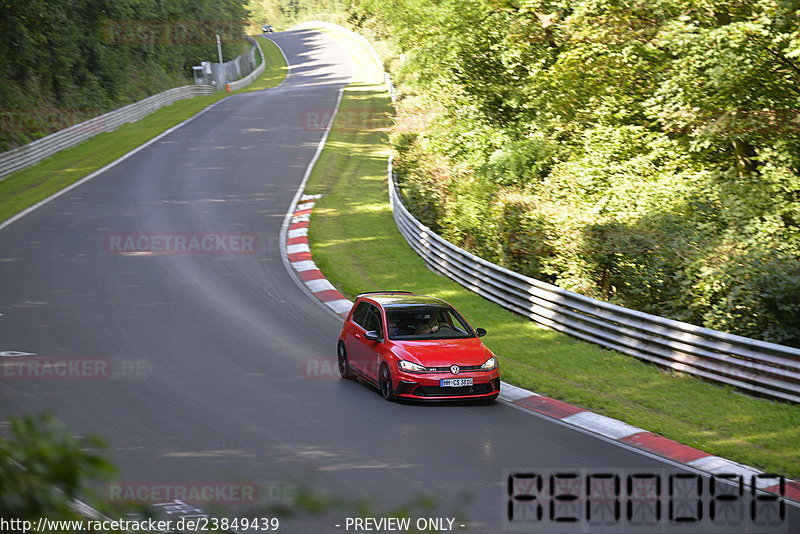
<point>394,329</point>
<point>431,325</point>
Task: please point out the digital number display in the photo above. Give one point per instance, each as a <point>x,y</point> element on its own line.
<point>602,501</point>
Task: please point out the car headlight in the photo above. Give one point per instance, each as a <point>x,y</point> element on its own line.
<point>411,367</point>
<point>489,364</point>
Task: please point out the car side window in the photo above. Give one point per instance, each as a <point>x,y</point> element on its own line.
<point>373,321</point>
<point>360,315</point>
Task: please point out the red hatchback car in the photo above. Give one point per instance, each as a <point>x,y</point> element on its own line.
<point>416,347</point>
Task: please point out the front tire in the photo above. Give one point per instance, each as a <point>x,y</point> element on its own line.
<point>344,363</point>
<point>385,382</point>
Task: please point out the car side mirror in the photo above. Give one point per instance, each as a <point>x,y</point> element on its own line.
<point>480,331</point>
<point>372,335</point>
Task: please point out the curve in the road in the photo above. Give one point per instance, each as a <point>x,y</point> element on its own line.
<point>222,369</point>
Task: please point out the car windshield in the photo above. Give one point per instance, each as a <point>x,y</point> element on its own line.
<point>426,323</point>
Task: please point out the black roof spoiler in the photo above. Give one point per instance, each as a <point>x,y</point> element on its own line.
<point>385,293</point>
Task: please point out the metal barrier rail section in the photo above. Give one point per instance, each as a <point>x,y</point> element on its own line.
<point>25,156</point>
<point>32,153</point>
<point>768,369</point>
<point>238,84</point>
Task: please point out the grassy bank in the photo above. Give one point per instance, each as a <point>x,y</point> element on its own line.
<point>356,244</point>
<point>29,186</point>
<point>275,70</point>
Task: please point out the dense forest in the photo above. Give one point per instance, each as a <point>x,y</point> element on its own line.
<point>644,153</point>
<point>62,61</point>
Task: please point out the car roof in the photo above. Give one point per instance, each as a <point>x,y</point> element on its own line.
<point>392,299</point>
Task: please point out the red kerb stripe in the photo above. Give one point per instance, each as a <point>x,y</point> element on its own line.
<point>552,407</point>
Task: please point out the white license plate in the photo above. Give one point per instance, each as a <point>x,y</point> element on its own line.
<point>455,382</point>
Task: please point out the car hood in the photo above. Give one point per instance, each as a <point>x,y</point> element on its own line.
<point>443,352</point>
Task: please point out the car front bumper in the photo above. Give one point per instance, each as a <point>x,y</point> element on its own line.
<point>427,386</point>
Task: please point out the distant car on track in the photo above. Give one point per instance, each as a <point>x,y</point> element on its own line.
<point>266,28</point>
<point>416,347</point>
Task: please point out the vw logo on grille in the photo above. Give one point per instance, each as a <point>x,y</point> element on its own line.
<point>455,369</point>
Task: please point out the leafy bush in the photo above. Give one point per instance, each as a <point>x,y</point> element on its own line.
<point>43,468</point>
<point>520,162</point>
<point>422,189</point>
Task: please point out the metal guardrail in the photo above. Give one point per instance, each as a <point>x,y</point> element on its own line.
<point>32,153</point>
<point>238,84</point>
<point>757,366</point>
<point>22,157</point>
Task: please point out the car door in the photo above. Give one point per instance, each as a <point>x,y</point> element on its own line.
<point>354,333</point>
<point>370,348</point>
<point>362,351</point>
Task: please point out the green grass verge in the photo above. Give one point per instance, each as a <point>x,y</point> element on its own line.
<point>29,186</point>
<point>356,244</point>
<point>274,72</point>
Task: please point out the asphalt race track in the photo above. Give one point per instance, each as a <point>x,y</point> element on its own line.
<point>223,369</point>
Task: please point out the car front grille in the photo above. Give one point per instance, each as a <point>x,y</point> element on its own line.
<point>437,391</point>
<point>446,368</point>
